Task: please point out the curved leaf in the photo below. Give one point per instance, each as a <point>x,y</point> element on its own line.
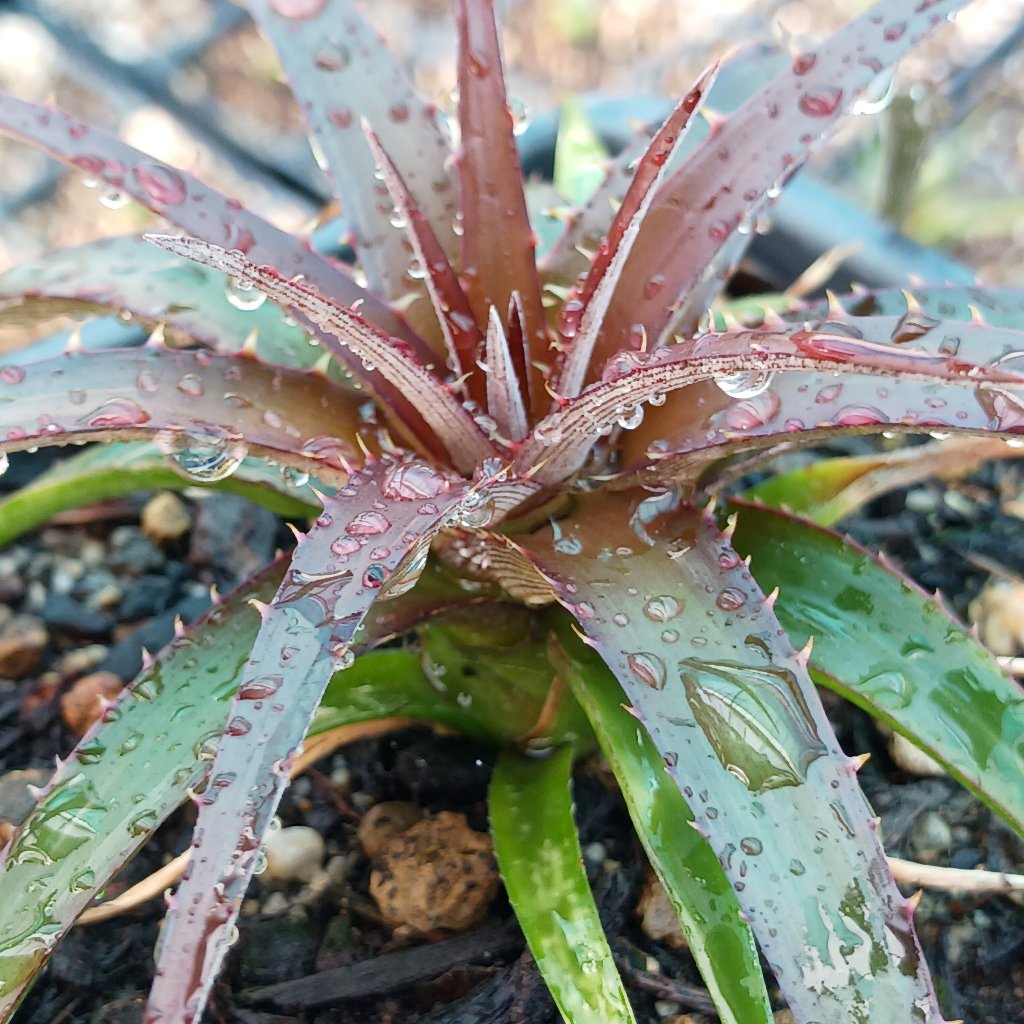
<point>364,535</point>
<point>717,189</point>
<point>341,71</point>
<point>535,839</point>
<point>226,405</point>
<point>402,382</point>
<point>115,470</point>
<point>127,273</point>
<point>184,200</point>
<point>719,938</point>
<point>125,776</point>
<point>892,649</point>
<point>732,711</point>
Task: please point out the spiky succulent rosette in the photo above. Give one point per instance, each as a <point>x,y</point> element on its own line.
<point>548,423</point>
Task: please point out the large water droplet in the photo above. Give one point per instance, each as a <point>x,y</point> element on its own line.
<point>648,668</point>
<point>631,417</point>
<point>890,690</point>
<point>822,102</point>
<point>414,481</point>
<point>164,185</point>
<point>113,198</point>
<point>244,295</point>
<point>206,454</point>
<point>662,608</point>
<point>368,524</point>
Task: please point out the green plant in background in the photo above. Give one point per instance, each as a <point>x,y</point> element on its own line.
<point>501,459</point>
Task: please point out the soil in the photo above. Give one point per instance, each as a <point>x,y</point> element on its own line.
<point>320,952</point>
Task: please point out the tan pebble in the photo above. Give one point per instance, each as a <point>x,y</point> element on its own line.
<point>438,873</point>
<point>382,822</point>
<point>166,518</point>
<point>999,613</point>
<point>294,854</point>
<point>783,1017</point>
<point>22,642</point>
<point>83,703</point>
<point>912,759</point>
<point>658,920</point>
<point>275,904</point>
<point>7,830</point>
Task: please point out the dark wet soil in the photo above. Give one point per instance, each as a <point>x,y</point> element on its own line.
<point>361,972</point>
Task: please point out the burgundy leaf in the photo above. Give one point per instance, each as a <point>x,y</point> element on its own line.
<point>498,247</point>
<point>341,71</point>
<point>219,408</point>
<point>184,200</point>
<point>582,316</point>
<point>974,397</point>
<point>387,365</point>
<point>461,335</point>
<point>724,183</point>
<point>504,398</point>
<point>349,559</point>
<point>712,678</point>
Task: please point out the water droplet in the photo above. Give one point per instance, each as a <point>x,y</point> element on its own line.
<point>368,524</point>
<point>12,374</point>
<point>260,688</point>
<point>822,102</point>
<point>291,476</point>
<point>751,846</point>
<point>5,462</point>
<point>744,385</point>
<point>648,668</point>
<point>206,454</point>
<point>238,726</point>
<point>731,599</point>
<point>344,658</point>
<point>191,384</point>
<point>631,417</point>
<point>116,412</point>
<point>803,63</point>
<point>752,413</point>
<point>890,690</point>
<point>414,481</point>
<point>113,198</point>
<point>913,325</point>
<point>859,416</point>
<point>332,56</point>
<point>164,185</point>
<point>244,295</point>
<point>662,608</point>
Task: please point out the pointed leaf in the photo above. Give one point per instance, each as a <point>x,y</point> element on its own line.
<point>718,937</point>
<point>730,707</point>
<point>115,470</point>
<point>208,411</point>
<point>395,375</point>
<point>127,273</point>
<point>582,316</point>
<point>338,570</point>
<point>886,645</point>
<point>504,396</point>
<point>498,248</point>
<point>454,315</point>
<point>122,780</point>
<point>530,810</point>
<point>183,199</point>
<point>719,188</point>
<point>341,71</point>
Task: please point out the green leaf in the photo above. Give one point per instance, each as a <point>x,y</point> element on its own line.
<point>718,936</point>
<point>580,156</point>
<point>114,470</point>
<point>125,776</point>
<point>541,863</point>
<point>895,651</point>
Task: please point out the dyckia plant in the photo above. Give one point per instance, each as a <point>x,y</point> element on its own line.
<point>485,430</point>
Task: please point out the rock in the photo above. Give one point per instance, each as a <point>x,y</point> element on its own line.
<point>7,830</point>
<point>438,873</point>
<point>912,759</point>
<point>15,798</point>
<point>294,854</point>
<point>232,537</point>
<point>82,705</point>
<point>22,642</point>
<point>999,613</point>
<point>384,821</point>
<point>132,554</point>
<point>783,1017</point>
<point>931,838</point>
<point>66,615</point>
<point>145,596</point>
<point>166,518</point>
<point>80,660</point>
<point>658,920</point>
<point>274,905</point>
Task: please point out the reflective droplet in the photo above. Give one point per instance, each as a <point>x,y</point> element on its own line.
<point>648,668</point>
<point>822,102</point>
<point>244,295</point>
<point>113,198</point>
<point>751,846</point>
<point>294,477</point>
<point>414,481</point>
<point>662,608</point>
<point>744,385</point>
<point>297,9</point>
<point>5,462</point>
<point>260,688</point>
<point>368,524</point>
<point>731,599</point>
<point>205,455</point>
<point>631,417</point>
<point>12,374</point>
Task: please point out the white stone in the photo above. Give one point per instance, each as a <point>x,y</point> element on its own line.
<point>294,854</point>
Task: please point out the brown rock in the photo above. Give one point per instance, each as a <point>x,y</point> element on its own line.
<point>382,822</point>
<point>83,703</point>
<point>438,873</point>
<point>166,518</point>
<point>22,642</point>
<point>658,920</point>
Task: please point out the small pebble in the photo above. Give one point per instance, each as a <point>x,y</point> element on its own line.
<point>658,920</point>
<point>294,854</point>
<point>66,615</point>
<point>82,705</point>
<point>783,1017</point>
<point>81,659</point>
<point>275,904</point>
<point>166,518</point>
<point>931,837</point>
<point>665,1007</point>
<point>912,759</point>
<point>439,873</point>
<point>16,796</point>
<point>382,822</point>
<point>22,642</point>
<point>595,854</point>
